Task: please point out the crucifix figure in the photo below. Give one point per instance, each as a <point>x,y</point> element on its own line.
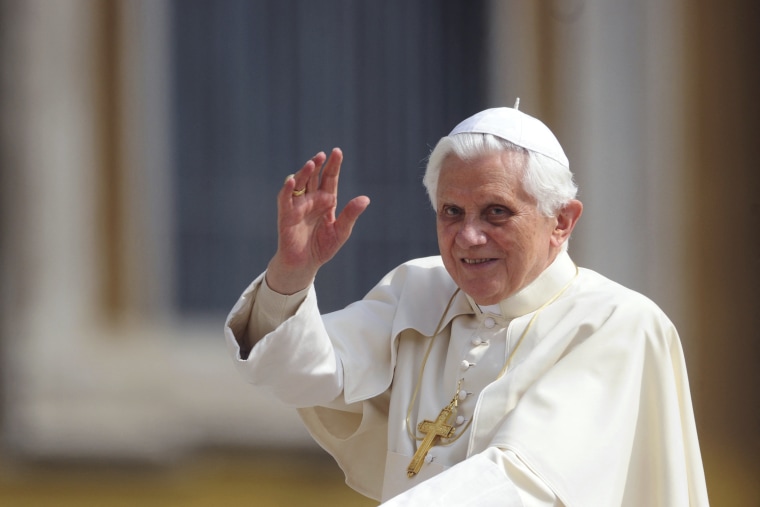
<point>433,431</point>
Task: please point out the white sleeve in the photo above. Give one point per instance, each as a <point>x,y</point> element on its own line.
<point>270,309</point>
<point>296,360</point>
<point>258,312</point>
<point>533,491</point>
<point>491,478</point>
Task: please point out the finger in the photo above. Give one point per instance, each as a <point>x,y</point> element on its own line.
<point>312,182</point>
<point>298,181</point>
<point>287,188</point>
<point>309,172</point>
<point>331,171</point>
<point>345,222</point>
<point>285,196</point>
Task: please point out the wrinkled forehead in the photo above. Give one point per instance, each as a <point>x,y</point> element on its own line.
<point>498,171</point>
<point>511,161</point>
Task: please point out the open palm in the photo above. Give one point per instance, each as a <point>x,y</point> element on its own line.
<point>309,233</point>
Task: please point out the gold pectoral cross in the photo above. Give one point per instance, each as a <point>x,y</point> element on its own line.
<point>433,431</point>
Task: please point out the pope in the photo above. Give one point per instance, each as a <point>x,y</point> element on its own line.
<point>496,373</point>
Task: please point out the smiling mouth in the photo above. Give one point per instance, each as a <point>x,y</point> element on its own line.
<point>476,261</point>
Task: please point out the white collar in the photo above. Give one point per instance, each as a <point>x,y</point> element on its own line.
<point>536,293</point>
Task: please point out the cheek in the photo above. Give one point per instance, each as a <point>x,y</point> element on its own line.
<point>440,234</point>
<point>444,244</point>
<point>529,233</point>
<point>446,235</point>
<point>507,239</point>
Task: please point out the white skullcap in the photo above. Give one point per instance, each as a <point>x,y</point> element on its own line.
<point>517,128</point>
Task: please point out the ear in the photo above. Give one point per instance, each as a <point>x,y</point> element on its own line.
<point>566,220</point>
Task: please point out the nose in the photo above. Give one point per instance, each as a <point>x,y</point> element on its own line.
<point>471,234</point>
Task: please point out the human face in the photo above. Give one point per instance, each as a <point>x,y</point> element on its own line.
<point>492,238</point>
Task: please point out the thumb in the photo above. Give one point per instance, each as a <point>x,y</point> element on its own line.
<point>344,224</point>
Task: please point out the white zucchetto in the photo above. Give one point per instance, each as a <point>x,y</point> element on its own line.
<point>516,127</point>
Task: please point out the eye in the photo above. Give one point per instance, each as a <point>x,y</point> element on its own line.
<point>450,212</point>
<point>498,213</point>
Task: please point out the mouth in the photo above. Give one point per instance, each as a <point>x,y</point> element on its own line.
<point>472,262</point>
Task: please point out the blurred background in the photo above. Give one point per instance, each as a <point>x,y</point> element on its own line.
<point>142,143</point>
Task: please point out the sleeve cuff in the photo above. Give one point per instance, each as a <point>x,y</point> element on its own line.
<point>270,309</point>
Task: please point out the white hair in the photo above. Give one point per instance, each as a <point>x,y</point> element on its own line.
<point>549,182</point>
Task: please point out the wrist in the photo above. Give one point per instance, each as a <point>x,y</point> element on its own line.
<point>287,280</point>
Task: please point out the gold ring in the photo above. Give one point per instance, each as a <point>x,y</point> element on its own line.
<point>296,193</point>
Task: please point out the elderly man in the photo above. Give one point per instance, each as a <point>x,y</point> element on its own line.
<point>497,373</point>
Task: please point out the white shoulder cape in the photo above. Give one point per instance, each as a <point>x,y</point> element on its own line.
<point>599,408</point>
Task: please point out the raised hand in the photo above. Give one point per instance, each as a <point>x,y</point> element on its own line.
<point>309,233</point>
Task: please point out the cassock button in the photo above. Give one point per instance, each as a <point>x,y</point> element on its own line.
<point>465,364</point>
<point>460,420</point>
<point>489,322</point>
<point>463,395</point>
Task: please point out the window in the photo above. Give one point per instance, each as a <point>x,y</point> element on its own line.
<point>260,86</point>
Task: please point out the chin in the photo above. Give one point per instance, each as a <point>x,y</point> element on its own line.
<point>487,301</point>
<point>487,298</point>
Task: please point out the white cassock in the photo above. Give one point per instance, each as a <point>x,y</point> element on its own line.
<point>593,410</point>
